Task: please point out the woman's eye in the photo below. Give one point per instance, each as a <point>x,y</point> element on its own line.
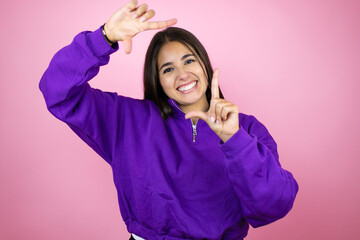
<point>189,61</point>
<point>167,70</point>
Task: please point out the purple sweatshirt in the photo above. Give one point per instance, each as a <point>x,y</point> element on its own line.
<point>169,186</point>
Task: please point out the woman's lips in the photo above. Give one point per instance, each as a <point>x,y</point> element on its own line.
<point>186,87</point>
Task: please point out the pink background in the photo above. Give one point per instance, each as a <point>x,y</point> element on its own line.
<point>292,64</point>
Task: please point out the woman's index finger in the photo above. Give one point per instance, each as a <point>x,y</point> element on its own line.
<point>215,84</point>
<point>161,24</point>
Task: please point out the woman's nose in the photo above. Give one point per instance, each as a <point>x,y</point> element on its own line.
<point>183,74</point>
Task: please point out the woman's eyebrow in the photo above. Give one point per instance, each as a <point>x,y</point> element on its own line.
<point>182,58</point>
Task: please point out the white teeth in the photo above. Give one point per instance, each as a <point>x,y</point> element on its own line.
<point>187,87</point>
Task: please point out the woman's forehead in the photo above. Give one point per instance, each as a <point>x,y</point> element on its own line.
<point>173,51</point>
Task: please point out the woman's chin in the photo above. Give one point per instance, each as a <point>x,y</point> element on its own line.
<point>193,103</point>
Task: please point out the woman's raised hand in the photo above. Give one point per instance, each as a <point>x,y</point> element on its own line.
<point>129,20</point>
<point>222,116</point>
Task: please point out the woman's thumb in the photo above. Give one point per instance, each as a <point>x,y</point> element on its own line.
<point>197,114</point>
<point>127,45</point>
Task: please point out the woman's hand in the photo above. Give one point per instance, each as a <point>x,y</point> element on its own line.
<point>222,116</point>
<point>129,20</point>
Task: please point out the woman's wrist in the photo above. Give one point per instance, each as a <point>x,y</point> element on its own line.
<point>226,137</point>
<point>111,43</point>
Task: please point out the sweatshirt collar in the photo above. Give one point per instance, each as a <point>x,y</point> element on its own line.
<point>176,110</point>
<point>179,113</point>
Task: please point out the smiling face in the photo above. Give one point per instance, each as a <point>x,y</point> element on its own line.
<point>182,76</point>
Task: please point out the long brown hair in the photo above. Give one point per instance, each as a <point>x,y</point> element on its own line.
<point>152,88</point>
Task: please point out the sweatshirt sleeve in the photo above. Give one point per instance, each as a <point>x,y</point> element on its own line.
<point>90,113</point>
<point>266,191</point>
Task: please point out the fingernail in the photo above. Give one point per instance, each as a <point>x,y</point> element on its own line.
<point>142,19</point>
<point>135,16</point>
<point>212,119</point>
<point>217,122</point>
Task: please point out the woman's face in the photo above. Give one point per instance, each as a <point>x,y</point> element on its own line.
<point>182,77</point>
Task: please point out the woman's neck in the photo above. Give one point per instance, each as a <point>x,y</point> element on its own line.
<point>201,105</point>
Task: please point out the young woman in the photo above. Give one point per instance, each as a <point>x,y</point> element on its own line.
<point>186,163</point>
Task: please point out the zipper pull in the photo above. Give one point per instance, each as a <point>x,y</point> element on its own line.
<point>194,131</point>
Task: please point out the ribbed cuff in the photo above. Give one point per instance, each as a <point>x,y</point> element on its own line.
<point>99,45</point>
<point>239,141</point>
